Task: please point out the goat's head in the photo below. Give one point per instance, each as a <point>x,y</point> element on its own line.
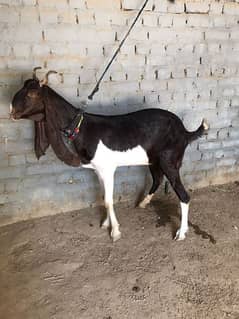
<point>28,102</point>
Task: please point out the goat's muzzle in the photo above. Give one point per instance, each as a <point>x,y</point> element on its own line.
<point>11,112</point>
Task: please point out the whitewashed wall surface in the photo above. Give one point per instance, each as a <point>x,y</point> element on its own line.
<point>183,57</point>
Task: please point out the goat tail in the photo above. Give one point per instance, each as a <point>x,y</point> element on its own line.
<point>203,128</point>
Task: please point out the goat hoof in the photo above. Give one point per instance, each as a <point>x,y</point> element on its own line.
<point>142,205</point>
<point>146,201</point>
<point>180,236</point>
<point>115,235</point>
<point>105,224</point>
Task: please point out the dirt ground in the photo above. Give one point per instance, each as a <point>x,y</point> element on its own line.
<point>65,266</point>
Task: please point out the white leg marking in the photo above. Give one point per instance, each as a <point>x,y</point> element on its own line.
<point>10,107</point>
<point>181,233</point>
<point>106,222</point>
<point>107,177</point>
<point>146,201</point>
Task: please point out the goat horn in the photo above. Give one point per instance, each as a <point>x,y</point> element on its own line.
<point>34,72</point>
<point>45,80</point>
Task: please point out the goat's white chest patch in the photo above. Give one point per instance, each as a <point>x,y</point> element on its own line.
<point>106,156</point>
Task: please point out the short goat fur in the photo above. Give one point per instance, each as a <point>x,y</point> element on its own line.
<point>153,137</point>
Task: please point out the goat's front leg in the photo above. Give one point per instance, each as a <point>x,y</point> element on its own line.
<point>107,179</point>
<point>106,223</point>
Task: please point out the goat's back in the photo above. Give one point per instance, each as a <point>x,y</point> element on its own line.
<point>145,127</point>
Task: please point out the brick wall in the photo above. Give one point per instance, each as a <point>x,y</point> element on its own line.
<point>183,57</point>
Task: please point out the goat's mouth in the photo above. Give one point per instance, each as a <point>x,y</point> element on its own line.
<point>14,116</point>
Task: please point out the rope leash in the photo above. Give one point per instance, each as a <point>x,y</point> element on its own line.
<point>96,88</point>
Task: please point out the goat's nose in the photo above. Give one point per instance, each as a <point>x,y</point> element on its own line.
<point>11,108</point>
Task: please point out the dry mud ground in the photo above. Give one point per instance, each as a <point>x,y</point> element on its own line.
<point>65,266</point>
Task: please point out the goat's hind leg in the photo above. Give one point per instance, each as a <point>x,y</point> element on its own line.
<point>174,179</point>
<point>157,176</point>
<point>184,203</point>
<point>181,232</point>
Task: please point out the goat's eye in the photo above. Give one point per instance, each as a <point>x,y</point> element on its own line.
<point>33,94</point>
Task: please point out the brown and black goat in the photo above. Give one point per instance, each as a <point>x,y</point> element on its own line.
<point>151,137</point>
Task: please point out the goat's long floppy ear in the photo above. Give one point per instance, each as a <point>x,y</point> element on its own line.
<point>41,138</point>
<point>38,117</point>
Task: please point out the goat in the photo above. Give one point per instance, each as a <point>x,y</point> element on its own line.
<point>152,137</point>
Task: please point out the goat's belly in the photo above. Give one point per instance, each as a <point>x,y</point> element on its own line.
<point>105,156</point>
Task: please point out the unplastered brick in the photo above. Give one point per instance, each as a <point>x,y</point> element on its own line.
<point>150,19</point>
<point>179,20</point>
<point>162,35</point>
<point>15,160</point>
<point>42,50</point>
<point>131,4</point>
<point>53,3</point>
<point>75,34</point>
<point>9,15</point>
<point>198,20</point>
<point>231,8</point>
<point>21,34</point>
<point>234,35</point>
<point>165,20</point>
<point>79,4</point>
<point>10,78</point>
<point>29,14</point>
<point>29,2</point>
<point>8,131</point>
<point>216,35</point>
<point>11,2</point>
<point>67,16</point>
<point>96,4</point>
<point>216,7</point>
<point>22,64</point>
<point>47,15</point>
<point>160,6</point>
<point>86,76</point>
<point>5,50</point>
<point>22,50</point>
<point>76,49</point>
<point>197,7</point>
<point>85,17</point>
<point>176,7</point>
<point>139,34</point>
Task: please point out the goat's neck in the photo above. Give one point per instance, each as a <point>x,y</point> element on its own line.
<point>58,110</point>
<point>59,114</point>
